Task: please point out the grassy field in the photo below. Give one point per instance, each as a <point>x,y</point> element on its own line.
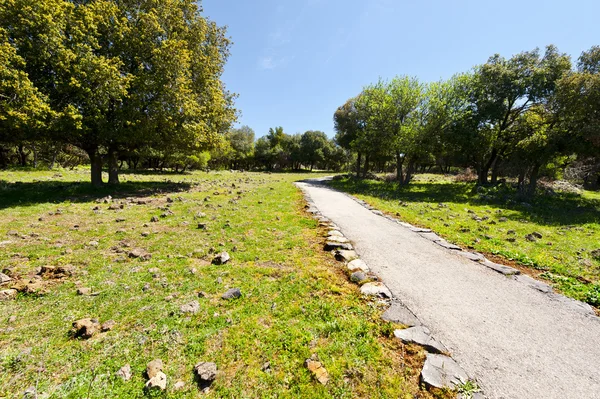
<point>296,302</point>
<point>552,236</point>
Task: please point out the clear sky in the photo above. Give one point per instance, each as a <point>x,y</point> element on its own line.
<point>293,62</point>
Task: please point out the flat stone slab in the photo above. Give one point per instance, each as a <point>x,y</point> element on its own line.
<point>573,304</point>
<point>332,245</point>
<point>533,283</point>
<point>421,336</point>
<point>441,371</point>
<point>358,264</point>
<point>506,270</point>
<point>334,233</point>
<point>431,236</point>
<point>420,229</point>
<point>378,213</point>
<point>345,255</point>
<point>474,256</point>
<point>376,289</point>
<point>447,245</point>
<point>341,240</point>
<point>398,313</point>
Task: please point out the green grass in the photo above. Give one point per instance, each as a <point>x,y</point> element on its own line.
<point>569,225</point>
<point>295,301</point>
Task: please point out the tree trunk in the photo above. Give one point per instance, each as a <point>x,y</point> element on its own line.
<point>35,156</point>
<point>521,182</point>
<point>22,155</point>
<point>410,170</point>
<point>113,166</point>
<point>482,174</point>
<point>96,167</point>
<point>366,167</point>
<point>533,178</point>
<point>399,162</point>
<point>495,170</point>
<point>358,161</point>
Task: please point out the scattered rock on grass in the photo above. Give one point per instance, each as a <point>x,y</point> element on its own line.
<point>595,253</point>
<point>159,381</point>
<point>192,307</point>
<point>317,370</point>
<point>221,258</point>
<point>124,372</point>
<point>178,386</point>
<point>6,295</point>
<point>233,293</point>
<point>4,278</point>
<point>108,325</point>
<point>138,253</point>
<point>86,328</point>
<point>442,371</point>
<point>55,272</point>
<point>205,373</point>
<point>154,219</point>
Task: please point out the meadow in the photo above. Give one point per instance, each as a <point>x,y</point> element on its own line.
<point>136,254</point>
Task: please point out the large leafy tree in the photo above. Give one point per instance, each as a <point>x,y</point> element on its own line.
<point>124,74</point>
<point>504,89</point>
<point>313,144</point>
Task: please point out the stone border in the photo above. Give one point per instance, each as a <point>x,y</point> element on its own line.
<point>515,274</point>
<point>439,369</point>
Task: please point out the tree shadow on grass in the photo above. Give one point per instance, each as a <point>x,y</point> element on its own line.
<point>545,209</point>
<point>14,194</point>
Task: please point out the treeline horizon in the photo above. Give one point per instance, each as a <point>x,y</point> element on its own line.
<point>527,116</point>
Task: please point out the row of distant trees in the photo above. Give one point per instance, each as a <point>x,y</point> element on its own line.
<point>111,81</point>
<point>520,117</point>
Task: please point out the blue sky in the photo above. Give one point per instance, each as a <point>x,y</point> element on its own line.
<point>294,62</point>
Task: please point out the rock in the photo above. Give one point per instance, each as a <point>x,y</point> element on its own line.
<point>345,255</point>
<point>145,233</point>
<point>86,328</point>
<point>442,371</point>
<point>153,368</point>
<point>595,253</point>
<point>506,270</point>
<point>55,272</point>
<point>4,278</point>
<point>537,235</point>
<point>192,307</point>
<point>358,277</point>
<point>375,289</point>
<point>341,240</point>
<point>202,226</point>
<point>378,213</point>
<point>317,370</point>
<point>115,207</point>
<point>154,219</point>
<point>398,313</point>
<point>447,245</point>
<point>332,246</point>
<point>30,393</point>
<point>233,293</point>
<point>221,258</point>
<point>84,291</point>
<point>335,233</point>
<point>530,237</point>
<point>535,284</point>
<point>421,336</point>
<point>178,386</point>
<point>108,325</point>
<point>6,295</point>
<point>93,243</point>
<point>138,253</point>
<point>124,372</point>
<point>503,219</point>
<point>474,256</point>
<point>159,381</point>
<point>205,373</point>
<point>12,319</point>
<point>358,264</point>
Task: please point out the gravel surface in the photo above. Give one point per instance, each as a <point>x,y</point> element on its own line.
<point>517,341</point>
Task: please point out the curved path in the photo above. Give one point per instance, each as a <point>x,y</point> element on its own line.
<point>518,342</point>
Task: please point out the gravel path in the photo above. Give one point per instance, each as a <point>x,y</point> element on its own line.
<point>516,341</point>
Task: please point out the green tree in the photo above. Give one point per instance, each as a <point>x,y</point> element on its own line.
<point>242,144</point>
<point>313,145</point>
